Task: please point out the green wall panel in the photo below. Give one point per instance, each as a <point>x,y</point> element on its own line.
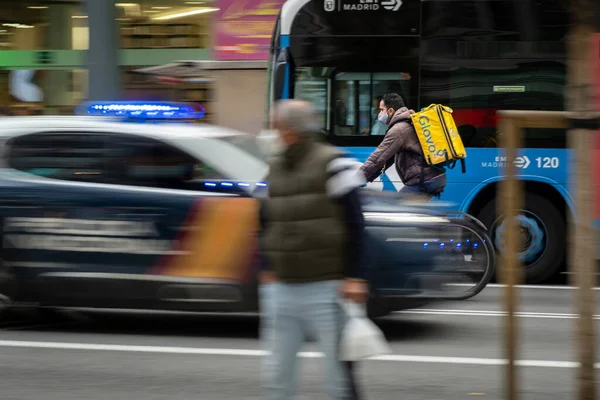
<point>71,59</point>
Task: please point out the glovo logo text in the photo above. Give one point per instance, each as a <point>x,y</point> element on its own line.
<point>431,147</point>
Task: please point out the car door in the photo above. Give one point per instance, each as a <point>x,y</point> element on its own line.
<point>209,220</point>
<point>83,220</point>
<point>47,232</point>
<point>125,209</point>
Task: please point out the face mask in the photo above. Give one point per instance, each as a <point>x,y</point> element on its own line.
<point>278,146</point>
<point>383,117</point>
<point>281,144</point>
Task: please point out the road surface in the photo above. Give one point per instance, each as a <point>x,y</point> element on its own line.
<point>447,351</point>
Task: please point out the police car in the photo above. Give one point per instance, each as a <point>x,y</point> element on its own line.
<point>97,212</point>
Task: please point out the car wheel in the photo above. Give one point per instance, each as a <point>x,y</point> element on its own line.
<point>8,289</point>
<point>542,230</point>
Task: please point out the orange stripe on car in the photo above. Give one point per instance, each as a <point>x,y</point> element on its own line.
<point>220,241</point>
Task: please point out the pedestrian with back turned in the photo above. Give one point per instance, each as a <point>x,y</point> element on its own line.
<point>311,240</point>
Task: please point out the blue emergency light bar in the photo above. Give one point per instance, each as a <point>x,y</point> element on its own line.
<point>142,110</point>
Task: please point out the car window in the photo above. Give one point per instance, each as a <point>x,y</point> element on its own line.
<point>66,156</point>
<point>247,144</point>
<point>110,158</point>
<point>151,163</point>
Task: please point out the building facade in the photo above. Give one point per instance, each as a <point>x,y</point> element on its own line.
<point>56,53</point>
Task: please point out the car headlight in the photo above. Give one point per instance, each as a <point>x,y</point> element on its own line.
<point>410,218</point>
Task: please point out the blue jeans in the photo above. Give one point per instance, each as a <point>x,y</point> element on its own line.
<point>267,301</point>
<point>431,186</point>
<point>288,312</point>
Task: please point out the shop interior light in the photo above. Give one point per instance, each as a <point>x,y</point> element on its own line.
<point>19,26</point>
<point>161,8</point>
<point>79,16</point>
<point>142,110</point>
<point>194,2</point>
<point>37,7</point>
<point>126,4</point>
<point>201,10</point>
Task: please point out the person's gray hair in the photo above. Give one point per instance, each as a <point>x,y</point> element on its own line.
<point>297,115</point>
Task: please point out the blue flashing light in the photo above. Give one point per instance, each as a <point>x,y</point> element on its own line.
<point>142,110</point>
<point>436,240</point>
<point>442,244</point>
<point>232,184</point>
<point>468,240</point>
<point>425,245</point>
<point>458,245</point>
<point>475,245</point>
<point>452,240</point>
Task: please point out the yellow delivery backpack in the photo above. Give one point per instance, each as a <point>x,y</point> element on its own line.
<point>439,138</point>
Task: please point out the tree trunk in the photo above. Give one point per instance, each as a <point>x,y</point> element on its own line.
<point>580,101</point>
<point>511,272</point>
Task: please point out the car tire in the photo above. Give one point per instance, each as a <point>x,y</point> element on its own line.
<point>548,264</point>
<point>8,288</point>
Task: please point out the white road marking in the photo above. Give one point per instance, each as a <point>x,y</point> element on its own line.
<point>417,311</point>
<point>491,313</point>
<point>498,285</point>
<point>260,353</point>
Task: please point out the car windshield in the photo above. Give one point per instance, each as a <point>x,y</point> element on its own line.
<point>248,144</point>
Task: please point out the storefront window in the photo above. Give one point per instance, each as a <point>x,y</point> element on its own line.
<point>42,25</point>
<point>143,24</point>
<point>166,24</point>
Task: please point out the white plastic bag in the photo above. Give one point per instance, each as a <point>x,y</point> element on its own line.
<point>361,338</point>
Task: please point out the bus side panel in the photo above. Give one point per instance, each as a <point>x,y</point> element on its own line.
<point>485,166</point>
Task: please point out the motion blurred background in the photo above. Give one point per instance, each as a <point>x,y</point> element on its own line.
<point>56,53</point>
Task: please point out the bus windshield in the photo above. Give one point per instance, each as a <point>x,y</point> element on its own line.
<point>501,56</point>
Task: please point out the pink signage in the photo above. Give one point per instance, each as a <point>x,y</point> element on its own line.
<point>243,28</point>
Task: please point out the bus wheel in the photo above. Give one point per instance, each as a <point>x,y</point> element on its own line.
<point>542,232</point>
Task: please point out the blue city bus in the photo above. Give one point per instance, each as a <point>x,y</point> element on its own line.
<point>476,56</point>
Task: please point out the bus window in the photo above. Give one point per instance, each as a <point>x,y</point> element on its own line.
<point>344,111</point>
<point>347,103</point>
<point>356,98</point>
<point>518,61</point>
<point>313,87</point>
